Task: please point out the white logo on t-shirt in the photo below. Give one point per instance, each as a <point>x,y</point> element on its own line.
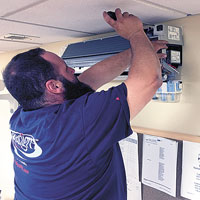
<point>26,144</point>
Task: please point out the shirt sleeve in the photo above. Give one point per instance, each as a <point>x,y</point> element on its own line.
<point>106,118</point>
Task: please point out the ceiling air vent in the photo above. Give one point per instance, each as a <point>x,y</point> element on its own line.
<point>14,36</point>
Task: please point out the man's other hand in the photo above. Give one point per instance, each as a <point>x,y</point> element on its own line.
<point>160,44</point>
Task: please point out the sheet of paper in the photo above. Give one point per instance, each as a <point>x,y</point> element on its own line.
<point>159,163</point>
<point>190,185</point>
<point>134,191</point>
<point>129,149</point>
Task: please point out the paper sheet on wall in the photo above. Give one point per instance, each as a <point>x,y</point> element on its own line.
<point>129,149</point>
<point>190,185</point>
<point>159,163</point>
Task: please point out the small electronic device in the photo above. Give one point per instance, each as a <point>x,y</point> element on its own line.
<point>171,89</point>
<point>112,15</point>
<point>174,36</point>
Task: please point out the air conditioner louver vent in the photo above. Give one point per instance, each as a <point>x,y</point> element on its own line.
<point>17,37</point>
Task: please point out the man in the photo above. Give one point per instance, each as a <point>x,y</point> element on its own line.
<point>64,135</point>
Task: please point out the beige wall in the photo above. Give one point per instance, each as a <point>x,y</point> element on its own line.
<point>180,117</point>
<point>6,157</point>
<point>57,48</point>
<point>184,116</point>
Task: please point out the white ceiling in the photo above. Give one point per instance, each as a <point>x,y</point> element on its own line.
<point>56,20</point>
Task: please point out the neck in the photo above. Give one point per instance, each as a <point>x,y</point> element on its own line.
<point>52,99</point>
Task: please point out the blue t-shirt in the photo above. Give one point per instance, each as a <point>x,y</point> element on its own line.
<point>70,151</point>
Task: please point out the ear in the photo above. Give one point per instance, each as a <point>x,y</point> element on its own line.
<point>54,86</point>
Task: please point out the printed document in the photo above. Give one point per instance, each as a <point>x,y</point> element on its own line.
<point>129,149</point>
<point>190,186</point>
<point>159,163</point>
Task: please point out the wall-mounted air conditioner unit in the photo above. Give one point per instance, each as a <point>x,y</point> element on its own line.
<point>83,55</point>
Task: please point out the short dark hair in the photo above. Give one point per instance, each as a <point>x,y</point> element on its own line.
<point>25,77</point>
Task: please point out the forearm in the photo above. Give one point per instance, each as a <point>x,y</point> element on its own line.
<point>106,70</point>
<point>144,74</point>
<point>144,63</point>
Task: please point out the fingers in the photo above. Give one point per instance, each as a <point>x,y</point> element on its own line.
<point>126,25</point>
<point>159,44</point>
<point>161,41</point>
<point>108,19</point>
<point>118,14</point>
<point>125,14</point>
<point>161,55</point>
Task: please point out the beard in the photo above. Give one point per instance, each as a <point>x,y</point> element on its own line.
<point>75,89</point>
